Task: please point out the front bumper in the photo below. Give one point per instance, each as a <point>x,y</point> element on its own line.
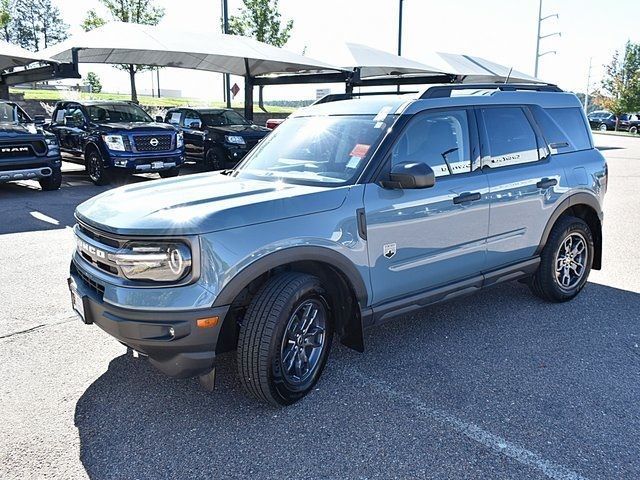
<point>171,339</point>
<point>25,174</point>
<point>139,163</point>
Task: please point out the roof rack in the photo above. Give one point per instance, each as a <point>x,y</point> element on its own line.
<point>334,97</point>
<point>440,91</point>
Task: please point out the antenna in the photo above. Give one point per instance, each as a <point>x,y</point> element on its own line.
<point>506,80</point>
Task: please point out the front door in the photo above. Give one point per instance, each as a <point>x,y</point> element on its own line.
<point>419,239</point>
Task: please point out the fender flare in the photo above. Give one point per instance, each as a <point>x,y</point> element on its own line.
<point>580,198</point>
<point>289,255</point>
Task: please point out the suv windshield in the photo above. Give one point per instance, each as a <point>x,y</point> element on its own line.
<point>316,150</point>
<point>117,113</point>
<point>224,117</point>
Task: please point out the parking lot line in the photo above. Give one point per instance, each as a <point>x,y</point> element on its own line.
<point>490,440</point>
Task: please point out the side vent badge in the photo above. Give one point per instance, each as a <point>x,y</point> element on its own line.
<point>389,250</point>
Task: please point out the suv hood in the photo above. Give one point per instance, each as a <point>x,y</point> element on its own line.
<point>243,130</point>
<point>136,126</point>
<point>203,203</point>
<point>12,129</point>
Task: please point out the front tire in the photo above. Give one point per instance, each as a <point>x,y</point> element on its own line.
<point>95,168</point>
<point>565,262</point>
<point>633,130</point>
<point>214,159</point>
<point>285,339</point>
<point>53,181</point>
<point>602,127</point>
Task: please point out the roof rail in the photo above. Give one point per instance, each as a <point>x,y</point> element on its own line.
<point>440,91</point>
<point>335,97</point>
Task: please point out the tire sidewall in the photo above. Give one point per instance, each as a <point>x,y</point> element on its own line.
<point>281,388</point>
<point>213,159</point>
<point>100,177</point>
<point>572,225</point>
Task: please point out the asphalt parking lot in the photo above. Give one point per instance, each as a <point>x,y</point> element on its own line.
<point>496,385</point>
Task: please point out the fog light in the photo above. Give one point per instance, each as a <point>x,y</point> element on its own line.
<point>120,163</point>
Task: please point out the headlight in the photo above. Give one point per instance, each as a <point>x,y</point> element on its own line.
<point>114,142</point>
<point>51,141</point>
<point>237,139</point>
<point>179,140</point>
<point>155,261</point>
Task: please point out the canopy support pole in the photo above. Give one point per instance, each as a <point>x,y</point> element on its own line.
<point>248,92</point>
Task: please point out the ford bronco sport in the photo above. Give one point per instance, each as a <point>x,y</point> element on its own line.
<point>350,213</point>
<point>116,137</point>
<point>26,151</point>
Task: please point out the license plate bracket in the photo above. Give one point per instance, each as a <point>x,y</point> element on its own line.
<point>78,303</point>
<point>157,165</point>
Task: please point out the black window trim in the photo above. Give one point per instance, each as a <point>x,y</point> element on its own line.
<point>381,171</point>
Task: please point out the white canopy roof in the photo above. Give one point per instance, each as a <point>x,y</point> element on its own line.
<point>480,70</point>
<point>373,62</point>
<point>14,56</point>
<point>149,45</point>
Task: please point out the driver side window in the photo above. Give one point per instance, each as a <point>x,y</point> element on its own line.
<point>439,139</point>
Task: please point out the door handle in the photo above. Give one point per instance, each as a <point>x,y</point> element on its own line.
<point>467,197</point>
<point>547,182</point>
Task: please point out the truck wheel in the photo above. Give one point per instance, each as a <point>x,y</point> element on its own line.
<point>95,168</point>
<point>214,159</point>
<point>172,172</point>
<point>633,130</point>
<point>285,339</point>
<point>565,262</point>
<point>53,181</point>
<point>602,127</point>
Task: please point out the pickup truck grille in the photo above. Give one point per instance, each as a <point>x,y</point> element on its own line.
<point>152,143</point>
<point>22,149</point>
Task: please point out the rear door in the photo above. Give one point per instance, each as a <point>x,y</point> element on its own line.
<point>193,137</point>
<point>419,239</point>
<point>524,182</point>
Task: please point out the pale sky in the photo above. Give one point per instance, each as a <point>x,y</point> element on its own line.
<point>499,30</point>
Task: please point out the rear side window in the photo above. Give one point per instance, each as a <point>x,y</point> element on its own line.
<point>563,128</point>
<point>512,140</point>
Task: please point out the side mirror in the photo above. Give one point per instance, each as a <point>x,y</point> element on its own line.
<point>38,119</point>
<point>159,119</point>
<point>410,175</point>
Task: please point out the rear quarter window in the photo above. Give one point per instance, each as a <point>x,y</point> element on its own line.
<point>563,128</point>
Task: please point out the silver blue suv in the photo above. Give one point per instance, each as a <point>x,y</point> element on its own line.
<point>350,213</point>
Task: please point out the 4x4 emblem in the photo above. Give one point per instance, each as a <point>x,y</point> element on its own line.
<point>389,250</point>
<point>154,142</point>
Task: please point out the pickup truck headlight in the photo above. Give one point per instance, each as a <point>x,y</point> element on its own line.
<point>236,139</point>
<point>51,141</point>
<point>114,142</point>
<point>179,140</point>
<point>155,261</point>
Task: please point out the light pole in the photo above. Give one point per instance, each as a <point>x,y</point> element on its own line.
<point>540,37</point>
<point>226,79</point>
<point>399,33</point>
<point>586,94</point>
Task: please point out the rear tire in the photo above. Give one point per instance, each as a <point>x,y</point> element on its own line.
<point>565,262</point>
<point>95,168</point>
<point>53,181</point>
<point>285,339</point>
<point>172,172</point>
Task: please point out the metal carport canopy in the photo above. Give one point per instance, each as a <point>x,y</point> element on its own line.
<point>13,56</point>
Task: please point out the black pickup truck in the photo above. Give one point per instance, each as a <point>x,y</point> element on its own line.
<point>27,152</point>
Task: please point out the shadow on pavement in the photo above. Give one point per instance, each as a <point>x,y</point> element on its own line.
<point>560,380</point>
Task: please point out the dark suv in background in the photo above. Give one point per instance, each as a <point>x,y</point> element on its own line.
<point>26,151</point>
<point>219,138</point>
<point>112,137</point>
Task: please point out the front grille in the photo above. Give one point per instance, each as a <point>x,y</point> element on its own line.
<point>98,237</point>
<point>97,287</point>
<point>152,143</point>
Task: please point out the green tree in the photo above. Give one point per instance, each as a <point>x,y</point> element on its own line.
<point>261,20</point>
<point>35,24</point>
<point>5,19</point>
<point>94,82</point>
<point>144,12</point>
<point>622,81</point>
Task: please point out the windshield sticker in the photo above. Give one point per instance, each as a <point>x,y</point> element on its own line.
<point>360,150</point>
<point>354,162</point>
<point>382,114</point>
